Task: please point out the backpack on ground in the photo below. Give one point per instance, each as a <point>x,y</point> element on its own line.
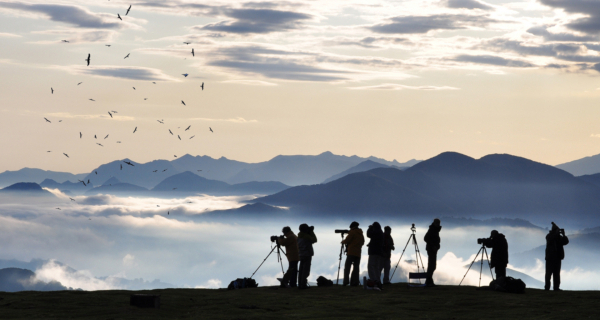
<point>324,282</point>
<point>240,283</point>
<point>508,284</point>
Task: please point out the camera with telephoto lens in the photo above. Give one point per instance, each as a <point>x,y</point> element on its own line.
<point>274,238</point>
<point>342,231</point>
<point>482,240</point>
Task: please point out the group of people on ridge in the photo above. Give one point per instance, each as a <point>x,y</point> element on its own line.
<point>300,249</point>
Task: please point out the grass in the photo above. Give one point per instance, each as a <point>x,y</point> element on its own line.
<point>396,301</point>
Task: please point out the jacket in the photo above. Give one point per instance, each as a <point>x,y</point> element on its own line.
<point>354,242</point>
<point>499,247</point>
<point>555,243</point>
<point>376,244</point>
<point>305,242</point>
<point>388,245</point>
<point>291,246</point>
<point>432,238</point>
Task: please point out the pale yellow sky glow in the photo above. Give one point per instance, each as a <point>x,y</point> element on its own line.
<point>392,79</point>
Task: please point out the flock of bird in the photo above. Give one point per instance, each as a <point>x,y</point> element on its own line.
<point>111,113</point>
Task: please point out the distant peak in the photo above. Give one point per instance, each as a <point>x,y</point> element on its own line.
<point>326,153</point>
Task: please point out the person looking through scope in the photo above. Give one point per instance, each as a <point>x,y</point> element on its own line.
<point>432,239</point>
<point>375,252</point>
<point>388,246</point>
<point>354,242</point>
<point>290,241</point>
<point>555,253</point>
<point>306,238</point>
<point>497,241</point>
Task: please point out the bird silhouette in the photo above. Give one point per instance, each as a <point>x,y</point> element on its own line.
<point>80,83</point>
<point>145,99</point>
<point>179,137</point>
<point>59,120</point>
<point>99,144</point>
<point>193,55</point>
<point>160,122</point>
<point>187,42</point>
<point>67,41</point>
<point>185,74</point>
<point>211,129</point>
<point>80,135</point>
<point>88,59</point>
<point>133,88</point>
<point>96,172</point>
<point>113,111</point>
<point>57,208</point>
<point>198,170</point>
<point>202,86</point>
<point>155,171</point>
<point>128,10</point>
<point>106,137</point>
<point>51,90</point>
<point>127,56</point>
<point>129,163</point>
<point>71,199</point>
<point>153,82</point>
<point>192,136</point>
<point>182,102</point>
<point>88,181</point>
<point>95,137</point>
<point>188,128</point>
<point>66,155</point>
<point>118,141</point>
<point>82,182</point>
<point>108,45</point>
<point>134,130</point>
<point>48,151</point>
<point>171,132</point>
<point>175,155</point>
<point>168,212</point>
<point>165,170</point>
<point>48,120</point>
<point>110,114</point>
<point>121,166</point>
<point>92,100</point>
<point>119,16</point>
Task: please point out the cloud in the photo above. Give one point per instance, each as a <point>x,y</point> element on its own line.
<point>9,35</point>
<point>129,260</point>
<point>74,15</point>
<point>53,271</point>
<point>493,60</point>
<point>393,86</point>
<point>261,21</point>
<point>236,120</point>
<point>596,135</point>
<point>251,82</point>
<point>467,4</point>
<point>74,35</point>
<point>129,73</point>
<point>542,31</point>
<point>424,24</point>
<point>367,42</point>
<point>591,8</point>
<point>211,284</point>
<point>68,115</point>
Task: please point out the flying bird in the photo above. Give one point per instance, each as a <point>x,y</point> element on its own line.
<point>48,151</point>
<point>192,137</point>
<point>71,199</point>
<point>88,59</point>
<point>113,111</point>
<point>119,16</point>
<point>198,170</point>
<point>155,171</point>
<point>106,137</point>
<point>95,137</point>
<point>165,170</point>
<point>211,129</point>
<point>129,163</point>
<point>80,135</point>
<point>57,208</point>
<point>193,55</point>
<point>188,128</point>
<point>202,86</point>
<point>160,121</point>
<point>51,90</point>
<point>80,83</point>
<point>187,42</point>
<point>175,155</point>
<point>134,130</point>
<point>99,144</point>
<point>153,82</point>
<point>108,45</point>
<point>185,74</point>
<point>182,102</point>
<point>127,56</point>
<point>110,114</point>
<point>59,120</point>
<point>170,132</point>
<point>128,10</point>
<point>145,99</point>
<point>88,181</point>
<point>174,188</point>
<point>92,100</point>
<point>158,206</point>
<point>66,155</point>
<point>118,141</point>
<point>67,41</point>
<point>168,212</point>
<point>179,137</point>
<point>48,120</point>
<point>133,88</point>
<point>83,183</point>
<point>96,172</point>
<point>121,167</point>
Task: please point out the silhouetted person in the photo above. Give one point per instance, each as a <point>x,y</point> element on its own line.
<point>497,241</point>
<point>388,246</point>
<point>375,252</point>
<point>290,241</point>
<point>432,239</point>
<point>354,242</point>
<point>306,238</point>
<point>555,253</point>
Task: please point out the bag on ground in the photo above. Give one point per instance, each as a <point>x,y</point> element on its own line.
<point>242,283</point>
<point>324,282</point>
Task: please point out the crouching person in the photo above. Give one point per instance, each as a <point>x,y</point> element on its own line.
<point>290,241</point>
<point>306,238</point>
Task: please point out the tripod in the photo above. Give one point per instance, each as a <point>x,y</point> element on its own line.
<point>278,247</point>
<point>483,250</point>
<point>340,264</point>
<point>417,252</point>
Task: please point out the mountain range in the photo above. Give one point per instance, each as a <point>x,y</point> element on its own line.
<point>583,166</point>
<point>36,175</point>
<point>452,184</point>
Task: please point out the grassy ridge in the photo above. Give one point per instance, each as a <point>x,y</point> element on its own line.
<point>396,301</point>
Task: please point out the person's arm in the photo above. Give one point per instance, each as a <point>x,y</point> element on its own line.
<point>488,243</point>
<point>392,243</point>
<point>283,241</point>
<point>348,239</point>
<point>313,237</point>
<point>565,240</point>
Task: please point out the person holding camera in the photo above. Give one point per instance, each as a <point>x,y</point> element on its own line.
<point>306,238</point>
<point>497,241</point>
<point>375,252</point>
<point>388,246</point>
<point>354,242</point>
<point>290,241</point>
<point>555,253</point>
<point>432,239</point>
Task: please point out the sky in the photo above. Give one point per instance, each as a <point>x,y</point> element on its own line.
<point>393,79</point>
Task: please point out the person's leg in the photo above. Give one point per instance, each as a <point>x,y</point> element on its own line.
<point>355,281</point>
<point>500,272</point>
<point>293,273</point>
<point>556,273</point>
<point>307,270</point>
<point>387,264</point>
<point>549,269</point>
<point>371,267</point>
<point>431,266</point>
<point>301,272</point>
<point>379,268</point>
<point>347,267</point>
<point>287,276</point>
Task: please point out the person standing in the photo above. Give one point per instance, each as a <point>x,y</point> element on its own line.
<point>497,241</point>
<point>432,239</point>
<point>306,238</point>
<point>290,241</point>
<point>375,252</point>
<point>388,246</point>
<point>555,253</point>
<point>354,242</point>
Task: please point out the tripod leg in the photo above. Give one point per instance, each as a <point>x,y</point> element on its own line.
<point>407,242</point>
<point>340,265</point>
<point>418,256</point>
<point>481,268</point>
<point>488,260</point>
<point>263,262</point>
<point>477,255</point>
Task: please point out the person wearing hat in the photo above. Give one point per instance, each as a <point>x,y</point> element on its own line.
<point>499,257</point>
<point>290,241</point>
<point>306,238</point>
<point>375,252</point>
<point>432,239</point>
<point>555,253</point>
<point>354,242</point>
